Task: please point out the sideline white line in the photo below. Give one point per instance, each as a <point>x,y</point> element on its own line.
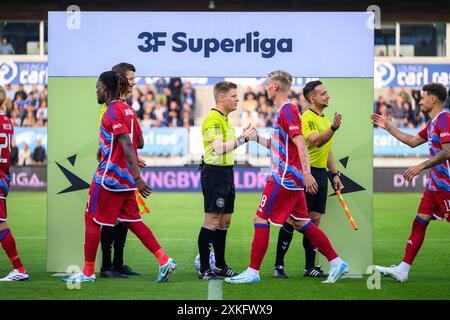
<point>215,290</point>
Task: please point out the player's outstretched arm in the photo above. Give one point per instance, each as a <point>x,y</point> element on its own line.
<point>310,182</point>
<point>319,139</point>
<point>439,158</point>
<point>127,146</point>
<point>221,147</point>
<point>383,123</point>
<point>261,140</point>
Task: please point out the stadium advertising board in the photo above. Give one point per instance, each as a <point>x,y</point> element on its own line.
<point>392,180</point>
<point>205,45</point>
<point>176,179</point>
<point>180,142</point>
<point>410,75</point>
<point>187,179</point>
<point>28,178</point>
<point>212,44</point>
<point>385,144</point>
<point>26,73</point>
<point>165,141</point>
<point>29,136</point>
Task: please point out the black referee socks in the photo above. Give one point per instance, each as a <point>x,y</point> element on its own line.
<point>205,241</point>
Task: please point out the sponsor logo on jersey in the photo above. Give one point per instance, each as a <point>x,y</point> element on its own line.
<point>129,112</point>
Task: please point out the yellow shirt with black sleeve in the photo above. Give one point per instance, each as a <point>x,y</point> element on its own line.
<point>313,122</point>
<point>217,126</point>
<point>102,112</point>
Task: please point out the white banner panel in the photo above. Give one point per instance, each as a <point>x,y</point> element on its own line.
<point>307,44</point>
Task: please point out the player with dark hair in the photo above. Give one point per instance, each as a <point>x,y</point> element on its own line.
<point>116,236</point>
<point>111,195</point>
<point>217,179</point>
<point>6,238</point>
<point>435,203</point>
<point>283,198</point>
<point>318,132</point>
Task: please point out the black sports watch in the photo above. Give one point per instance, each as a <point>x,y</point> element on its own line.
<point>335,174</point>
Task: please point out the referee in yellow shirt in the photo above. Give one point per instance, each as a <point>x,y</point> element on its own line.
<point>318,132</point>
<point>217,180</point>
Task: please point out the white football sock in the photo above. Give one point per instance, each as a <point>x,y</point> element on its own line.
<point>404,267</point>
<point>335,262</point>
<point>252,272</point>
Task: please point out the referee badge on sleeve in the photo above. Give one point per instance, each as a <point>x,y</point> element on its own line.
<point>220,202</point>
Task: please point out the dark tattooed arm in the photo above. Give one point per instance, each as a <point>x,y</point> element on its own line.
<point>437,159</point>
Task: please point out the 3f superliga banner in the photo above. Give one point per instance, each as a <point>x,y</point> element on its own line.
<point>336,47</point>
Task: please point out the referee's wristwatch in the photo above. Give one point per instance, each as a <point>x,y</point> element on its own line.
<point>241,140</point>
<point>337,173</point>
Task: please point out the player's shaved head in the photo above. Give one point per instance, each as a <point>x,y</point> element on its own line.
<point>283,78</point>
<point>2,96</point>
<point>223,87</point>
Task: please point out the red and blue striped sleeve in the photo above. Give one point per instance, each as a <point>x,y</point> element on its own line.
<point>291,121</point>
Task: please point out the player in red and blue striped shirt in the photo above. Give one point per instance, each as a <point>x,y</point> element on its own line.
<point>435,203</point>
<point>283,199</point>
<point>6,238</point>
<point>112,192</point>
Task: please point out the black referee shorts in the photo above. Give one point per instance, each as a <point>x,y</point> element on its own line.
<point>318,201</point>
<point>218,188</point>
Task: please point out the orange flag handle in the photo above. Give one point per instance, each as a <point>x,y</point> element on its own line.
<point>347,212</point>
<point>141,203</point>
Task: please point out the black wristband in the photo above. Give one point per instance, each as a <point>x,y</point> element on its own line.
<point>333,128</point>
<point>137,179</point>
<point>335,174</point>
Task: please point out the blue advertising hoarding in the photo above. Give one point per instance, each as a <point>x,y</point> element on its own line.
<point>384,144</point>
<point>410,75</point>
<point>26,73</point>
<point>174,142</point>
<point>165,142</point>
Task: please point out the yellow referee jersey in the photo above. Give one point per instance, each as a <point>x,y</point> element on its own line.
<point>102,112</point>
<point>313,122</point>
<point>217,126</point>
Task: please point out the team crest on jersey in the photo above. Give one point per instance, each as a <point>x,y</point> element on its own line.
<point>116,126</point>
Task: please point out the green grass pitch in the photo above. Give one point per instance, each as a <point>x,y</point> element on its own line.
<point>176,219</point>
